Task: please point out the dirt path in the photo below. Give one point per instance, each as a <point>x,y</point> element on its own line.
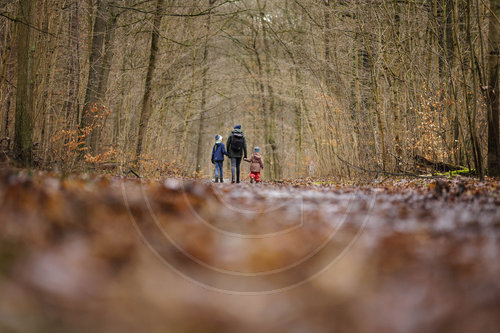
<point>110,254</point>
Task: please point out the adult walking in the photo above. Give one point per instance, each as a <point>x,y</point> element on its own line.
<point>237,148</point>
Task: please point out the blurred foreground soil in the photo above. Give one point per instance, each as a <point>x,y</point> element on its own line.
<point>109,254</point>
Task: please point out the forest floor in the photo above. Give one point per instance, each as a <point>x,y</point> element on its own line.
<point>109,254</point>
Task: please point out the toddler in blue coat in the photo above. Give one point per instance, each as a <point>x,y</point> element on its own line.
<point>218,152</point>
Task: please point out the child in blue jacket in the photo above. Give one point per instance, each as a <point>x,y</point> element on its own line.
<point>218,153</point>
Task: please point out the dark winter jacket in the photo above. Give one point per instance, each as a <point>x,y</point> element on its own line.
<point>218,152</point>
<point>230,147</point>
<point>257,162</point>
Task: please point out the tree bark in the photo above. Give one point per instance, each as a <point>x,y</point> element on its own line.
<point>270,136</point>
<point>263,105</point>
<point>201,121</point>
<point>146,100</point>
<point>492,98</point>
<point>95,69</point>
<point>23,138</point>
<point>72,105</point>
<point>476,149</point>
<point>109,37</point>
<point>375,91</point>
<point>7,74</point>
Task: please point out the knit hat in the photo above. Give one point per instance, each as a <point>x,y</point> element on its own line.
<point>218,138</point>
<point>237,127</point>
<point>256,149</point>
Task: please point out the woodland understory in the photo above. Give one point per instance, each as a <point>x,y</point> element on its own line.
<point>337,89</point>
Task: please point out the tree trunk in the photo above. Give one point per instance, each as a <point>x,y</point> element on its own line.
<point>146,100</point>
<point>95,70</point>
<point>331,92</point>
<point>201,122</point>
<point>104,75</point>
<point>270,137</point>
<point>7,73</point>
<point>72,105</point>
<point>23,138</point>
<point>298,121</point>
<point>375,91</point>
<point>492,98</point>
<point>187,113</point>
<point>262,93</point>
<point>117,131</point>
<point>476,149</point>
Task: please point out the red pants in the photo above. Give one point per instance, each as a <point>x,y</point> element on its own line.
<point>255,175</point>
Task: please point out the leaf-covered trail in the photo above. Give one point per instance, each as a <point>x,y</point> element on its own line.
<point>110,254</point>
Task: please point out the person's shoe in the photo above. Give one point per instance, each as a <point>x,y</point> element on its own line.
<point>251,180</point>
<point>222,180</point>
<point>232,181</point>
<point>216,180</point>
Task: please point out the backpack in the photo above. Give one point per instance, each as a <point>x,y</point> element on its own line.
<point>237,142</point>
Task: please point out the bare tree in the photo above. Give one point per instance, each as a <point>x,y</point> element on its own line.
<point>23,140</point>
<point>204,88</point>
<point>493,88</point>
<point>93,99</point>
<point>146,99</point>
